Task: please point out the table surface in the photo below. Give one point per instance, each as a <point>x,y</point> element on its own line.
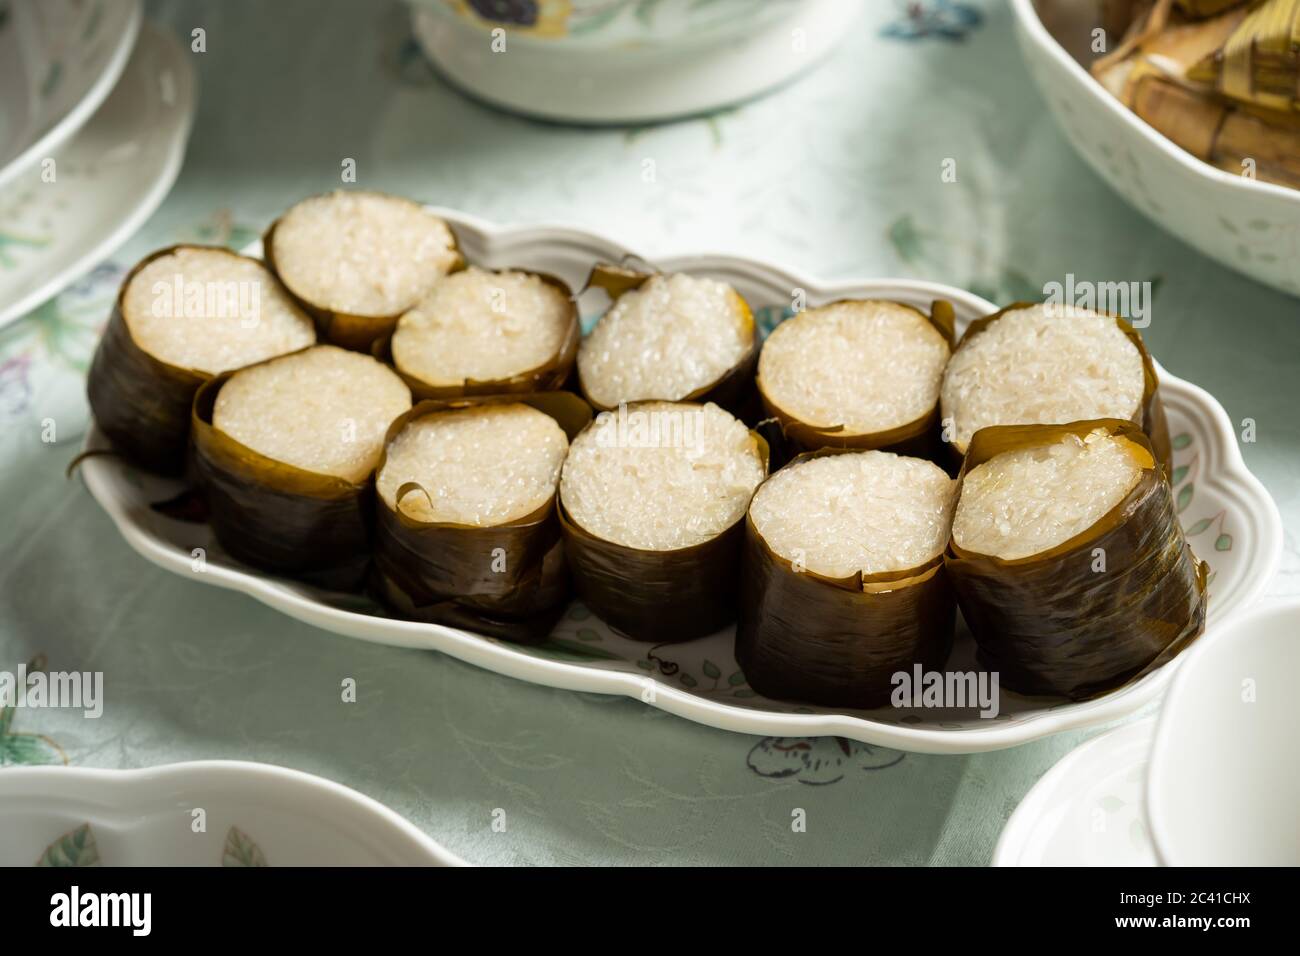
<point>836,174</point>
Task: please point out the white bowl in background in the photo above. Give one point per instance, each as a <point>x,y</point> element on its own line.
<point>1248,225</point>
<point>629,61</point>
<point>58,61</point>
<point>112,175</point>
<point>1223,781</point>
<point>252,814</point>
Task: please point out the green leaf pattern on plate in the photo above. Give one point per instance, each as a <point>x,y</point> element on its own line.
<point>75,848</point>
<point>241,850</point>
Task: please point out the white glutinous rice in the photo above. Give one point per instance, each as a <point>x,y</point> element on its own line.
<point>480,466</point>
<point>868,365</point>
<point>673,336</point>
<point>868,511</point>
<point>1042,365</point>
<point>210,310</point>
<point>324,410</point>
<point>361,253</point>
<point>482,326</point>
<point>659,476</point>
<point>1026,501</point>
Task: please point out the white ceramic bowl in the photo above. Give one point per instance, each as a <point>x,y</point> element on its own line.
<point>625,61</point>
<point>1250,226</point>
<point>1223,782</point>
<point>253,814</point>
<point>58,61</point>
<point>1230,519</point>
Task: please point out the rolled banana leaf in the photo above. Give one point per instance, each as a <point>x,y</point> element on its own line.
<point>354,330</point>
<point>1259,63</point>
<point>551,375</point>
<point>919,438</point>
<point>276,516</point>
<point>1052,624</point>
<point>507,580</point>
<point>837,642</point>
<point>1150,413</point>
<point>733,390</point>
<point>141,402</point>
<point>658,596</point>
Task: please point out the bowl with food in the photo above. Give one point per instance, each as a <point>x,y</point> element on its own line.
<point>1183,107</point>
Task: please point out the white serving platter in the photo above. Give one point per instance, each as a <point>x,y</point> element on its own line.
<point>201,813</point>
<point>1231,522</point>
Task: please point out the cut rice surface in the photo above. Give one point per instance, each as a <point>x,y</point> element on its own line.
<point>869,511</point>
<point>324,410</point>
<point>671,337</point>
<point>1026,501</point>
<point>1042,366</point>
<point>479,466</point>
<point>868,365</point>
<point>210,311</point>
<point>482,326</point>
<point>661,476</point>
<point>361,253</point>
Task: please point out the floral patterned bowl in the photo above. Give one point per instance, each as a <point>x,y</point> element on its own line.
<point>619,61</point>
<point>201,813</point>
<point>1248,225</point>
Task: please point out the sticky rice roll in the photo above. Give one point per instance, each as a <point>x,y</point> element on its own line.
<point>467,533</point>
<point>651,502</point>
<point>1067,557</point>
<point>183,315</point>
<point>357,260</point>
<point>483,333</point>
<point>285,452</point>
<point>843,583</point>
<point>668,338</point>
<point>1043,364</point>
<point>858,373</point>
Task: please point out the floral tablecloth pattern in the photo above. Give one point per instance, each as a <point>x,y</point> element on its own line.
<point>838,174</point>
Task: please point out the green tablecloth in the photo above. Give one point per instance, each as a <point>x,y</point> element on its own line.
<point>838,175</point>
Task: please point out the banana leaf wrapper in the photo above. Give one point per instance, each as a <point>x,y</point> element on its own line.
<point>140,402</point>
<point>920,438</point>
<point>276,516</point>
<point>347,330</point>
<point>551,375</point>
<point>1150,416</point>
<point>837,642</point>
<point>733,390</point>
<point>658,596</point>
<point>1049,623</point>
<point>507,580</point>
<point>1259,62</point>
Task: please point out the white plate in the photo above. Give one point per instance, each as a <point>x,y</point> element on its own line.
<point>253,814</point>
<point>1089,809</point>
<point>1221,503</point>
<point>109,179</point>
<point>58,61</point>
<point>1245,224</point>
